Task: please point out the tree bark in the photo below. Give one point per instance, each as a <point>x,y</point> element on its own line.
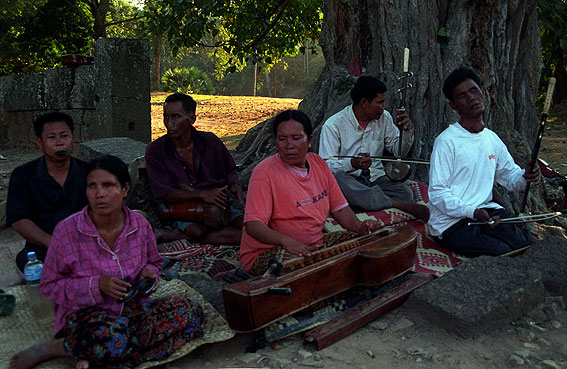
<point>99,8</point>
<point>497,38</point>
<point>156,63</point>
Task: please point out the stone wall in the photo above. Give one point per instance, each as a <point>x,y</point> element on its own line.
<point>109,98</point>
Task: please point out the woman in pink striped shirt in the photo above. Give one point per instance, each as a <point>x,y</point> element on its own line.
<point>94,258</point>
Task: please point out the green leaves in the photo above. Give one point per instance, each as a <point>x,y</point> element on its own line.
<point>264,31</point>
<point>444,33</point>
<point>187,80</point>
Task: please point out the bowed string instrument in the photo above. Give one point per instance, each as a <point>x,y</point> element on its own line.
<point>398,170</point>
<point>539,137</point>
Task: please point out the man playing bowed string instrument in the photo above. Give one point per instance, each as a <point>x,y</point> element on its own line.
<point>467,159</point>
<point>364,129</point>
<point>290,196</point>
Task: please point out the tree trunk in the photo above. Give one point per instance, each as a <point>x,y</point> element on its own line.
<point>561,76</point>
<point>497,38</point>
<point>99,9</point>
<point>156,63</point>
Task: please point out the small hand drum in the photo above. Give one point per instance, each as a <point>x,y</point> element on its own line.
<point>196,211</point>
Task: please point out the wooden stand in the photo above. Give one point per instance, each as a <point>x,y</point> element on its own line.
<point>343,325</point>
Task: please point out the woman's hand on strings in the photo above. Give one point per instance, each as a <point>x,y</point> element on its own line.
<point>368,226</point>
<point>297,248</point>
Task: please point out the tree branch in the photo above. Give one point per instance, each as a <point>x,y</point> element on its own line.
<point>82,17</point>
<point>283,4</point>
<point>123,21</point>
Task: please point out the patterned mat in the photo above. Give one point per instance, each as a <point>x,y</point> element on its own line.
<point>210,260</point>
<point>214,261</point>
<point>430,257</point>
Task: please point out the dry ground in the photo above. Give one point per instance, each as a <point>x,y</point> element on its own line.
<point>229,117</point>
<point>393,341</point>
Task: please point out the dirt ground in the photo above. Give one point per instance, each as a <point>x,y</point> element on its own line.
<point>396,340</point>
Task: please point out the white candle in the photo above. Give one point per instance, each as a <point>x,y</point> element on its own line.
<point>406,59</point>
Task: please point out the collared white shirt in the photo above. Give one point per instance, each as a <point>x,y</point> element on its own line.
<point>342,135</point>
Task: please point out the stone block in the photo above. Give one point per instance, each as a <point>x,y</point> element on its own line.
<point>549,256</point>
<point>132,152</point>
<point>58,85</point>
<point>131,118</point>
<point>20,131</point>
<point>26,92</point>
<point>2,213</point>
<point>125,148</point>
<point>82,95</point>
<point>124,67</point>
<point>479,295</point>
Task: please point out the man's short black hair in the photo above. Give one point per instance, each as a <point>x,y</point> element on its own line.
<point>296,115</point>
<point>455,78</point>
<point>366,87</point>
<point>55,116</point>
<point>189,105</point>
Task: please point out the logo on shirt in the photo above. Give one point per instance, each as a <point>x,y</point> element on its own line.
<point>312,200</point>
<point>491,156</point>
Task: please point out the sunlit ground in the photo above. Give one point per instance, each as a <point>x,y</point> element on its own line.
<point>229,117</point>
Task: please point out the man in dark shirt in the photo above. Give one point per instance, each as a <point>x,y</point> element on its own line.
<point>46,190</point>
<point>186,164</point>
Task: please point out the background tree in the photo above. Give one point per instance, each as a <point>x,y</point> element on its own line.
<point>34,35</point>
<point>498,38</point>
<point>553,24</point>
<point>247,30</point>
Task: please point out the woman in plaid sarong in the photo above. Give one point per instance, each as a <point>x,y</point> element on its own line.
<point>95,257</point>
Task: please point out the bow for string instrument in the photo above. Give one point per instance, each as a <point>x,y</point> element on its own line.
<point>399,171</point>
<point>539,137</point>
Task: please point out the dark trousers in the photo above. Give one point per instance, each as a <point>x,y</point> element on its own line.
<point>476,240</point>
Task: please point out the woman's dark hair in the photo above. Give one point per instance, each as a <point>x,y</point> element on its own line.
<point>296,115</point>
<point>113,165</point>
<point>455,78</point>
<point>55,116</point>
<point>366,87</point>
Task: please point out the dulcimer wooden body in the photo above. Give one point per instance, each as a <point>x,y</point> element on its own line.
<point>375,259</point>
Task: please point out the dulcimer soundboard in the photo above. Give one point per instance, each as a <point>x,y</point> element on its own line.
<point>365,260</point>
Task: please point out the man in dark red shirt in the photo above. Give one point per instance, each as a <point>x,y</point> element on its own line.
<point>186,164</point>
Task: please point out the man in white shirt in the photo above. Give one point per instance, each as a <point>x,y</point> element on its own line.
<point>365,129</point>
<point>467,159</point>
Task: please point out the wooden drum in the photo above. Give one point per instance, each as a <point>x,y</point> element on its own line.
<point>196,211</point>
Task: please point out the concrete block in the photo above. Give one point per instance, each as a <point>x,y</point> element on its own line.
<point>479,295</point>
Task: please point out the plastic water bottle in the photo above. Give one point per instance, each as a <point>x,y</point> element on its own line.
<point>40,305</point>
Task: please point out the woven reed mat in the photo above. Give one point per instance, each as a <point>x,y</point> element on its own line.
<point>20,330</point>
